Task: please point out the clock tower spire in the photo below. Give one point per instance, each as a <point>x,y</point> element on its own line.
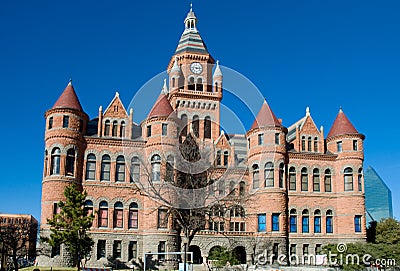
<point>192,91</point>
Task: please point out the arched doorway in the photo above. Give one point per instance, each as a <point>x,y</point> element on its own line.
<point>197,259</point>
<point>240,252</point>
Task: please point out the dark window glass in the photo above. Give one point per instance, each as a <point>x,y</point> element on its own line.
<point>155,168</point>
<point>275,222</point>
<point>207,127</point>
<point>135,169</point>
<point>117,247</point>
<point>328,181</point>
<point>305,222</point>
<point>55,161</point>
<point>262,223</point>
<point>101,249</point>
<point>339,146</point>
<point>132,250</point>
<point>316,185</point>
<point>90,167</point>
<point>65,121</point>
<point>114,128</point>
<point>256,176</point>
<point>107,128</point>
<point>293,223</point>
<point>292,179</point>
<point>164,129</point>
<point>195,125</point>
<point>105,168</point>
<point>357,223</point>
<point>120,169</point>
<point>148,130</point>
<point>269,174</point>
<point>304,180</point>
<point>348,179</point>
<point>70,162</point>
<point>277,141</point>
<point>122,129</point>
<point>50,123</point>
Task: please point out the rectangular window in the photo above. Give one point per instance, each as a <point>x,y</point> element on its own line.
<point>149,131</point>
<point>293,249</point>
<point>80,129</point>
<point>162,219</point>
<point>50,123</point>
<point>355,145</point>
<point>161,249</point>
<point>339,146</point>
<point>357,223</point>
<point>305,249</point>
<point>164,129</point>
<point>117,249</point>
<point>305,224</point>
<point>318,249</point>
<point>293,223</point>
<point>292,181</point>
<point>275,251</point>
<point>103,218</point>
<point>101,249</point>
<point>132,250</point>
<point>275,222</point>
<point>328,186</point>
<point>260,139</point>
<point>261,222</point>
<point>329,224</point>
<point>317,224</point>
<point>277,141</point>
<point>65,121</point>
<point>316,183</point>
<point>304,182</point>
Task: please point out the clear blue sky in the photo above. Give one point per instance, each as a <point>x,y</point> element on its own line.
<point>322,54</point>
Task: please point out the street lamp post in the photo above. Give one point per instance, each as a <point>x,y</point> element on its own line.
<point>185,242</point>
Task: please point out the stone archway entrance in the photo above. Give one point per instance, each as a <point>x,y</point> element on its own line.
<point>240,252</point>
<point>197,259</point>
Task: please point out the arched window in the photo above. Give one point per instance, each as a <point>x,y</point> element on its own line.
<point>269,174</point>
<point>191,85</point>
<point>359,178</point>
<point>218,160</point>
<point>107,128</point>
<point>281,174</point>
<point>305,222</point>
<point>293,220</point>
<point>55,162</point>
<point>90,167</point>
<point>242,188</point>
<point>184,120</point>
<point>114,128</point>
<point>88,207</point>
<point>317,221</point>
<point>316,185</point>
<point>120,169</point>
<point>292,179</point>
<point>303,143</point>
<point>309,142</point>
<point>199,84</point>
<point>207,127</point>
<point>329,222</point>
<point>105,168</point>
<point>195,125</point>
<point>328,181</point>
<point>170,172</point>
<point>118,215</point>
<point>135,169</point>
<point>304,179</point>
<point>256,176</point>
<point>103,214</point>
<point>316,144</point>
<point>217,211</point>
<point>133,222</point>
<point>348,179</point>
<point>70,162</point>
<point>155,168</point>
<point>226,157</point>
<point>122,129</point>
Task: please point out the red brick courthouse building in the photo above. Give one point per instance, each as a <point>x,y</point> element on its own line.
<point>306,188</point>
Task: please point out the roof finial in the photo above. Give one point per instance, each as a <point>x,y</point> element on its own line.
<point>217,71</point>
<point>70,81</point>
<point>191,6</point>
<point>340,109</point>
<point>165,89</point>
<point>307,111</point>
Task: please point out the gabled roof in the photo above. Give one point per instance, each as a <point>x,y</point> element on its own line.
<point>341,126</point>
<point>68,99</point>
<point>265,117</point>
<point>116,108</point>
<point>161,108</point>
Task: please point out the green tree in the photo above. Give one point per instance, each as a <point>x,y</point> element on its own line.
<point>222,256</point>
<point>388,232</point>
<point>70,226</point>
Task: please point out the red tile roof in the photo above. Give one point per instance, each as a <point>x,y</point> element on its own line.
<point>161,108</point>
<point>68,99</point>
<point>265,117</point>
<point>341,126</point>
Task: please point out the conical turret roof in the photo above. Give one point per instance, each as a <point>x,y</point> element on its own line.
<point>341,126</point>
<point>265,117</point>
<point>68,99</point>
<point>161,108</point>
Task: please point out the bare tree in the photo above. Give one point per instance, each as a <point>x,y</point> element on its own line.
<point>18,240</point>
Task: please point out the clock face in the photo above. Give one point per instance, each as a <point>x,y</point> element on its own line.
<point>196,67</point>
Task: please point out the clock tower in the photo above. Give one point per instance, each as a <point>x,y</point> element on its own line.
<point>195,84</point>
